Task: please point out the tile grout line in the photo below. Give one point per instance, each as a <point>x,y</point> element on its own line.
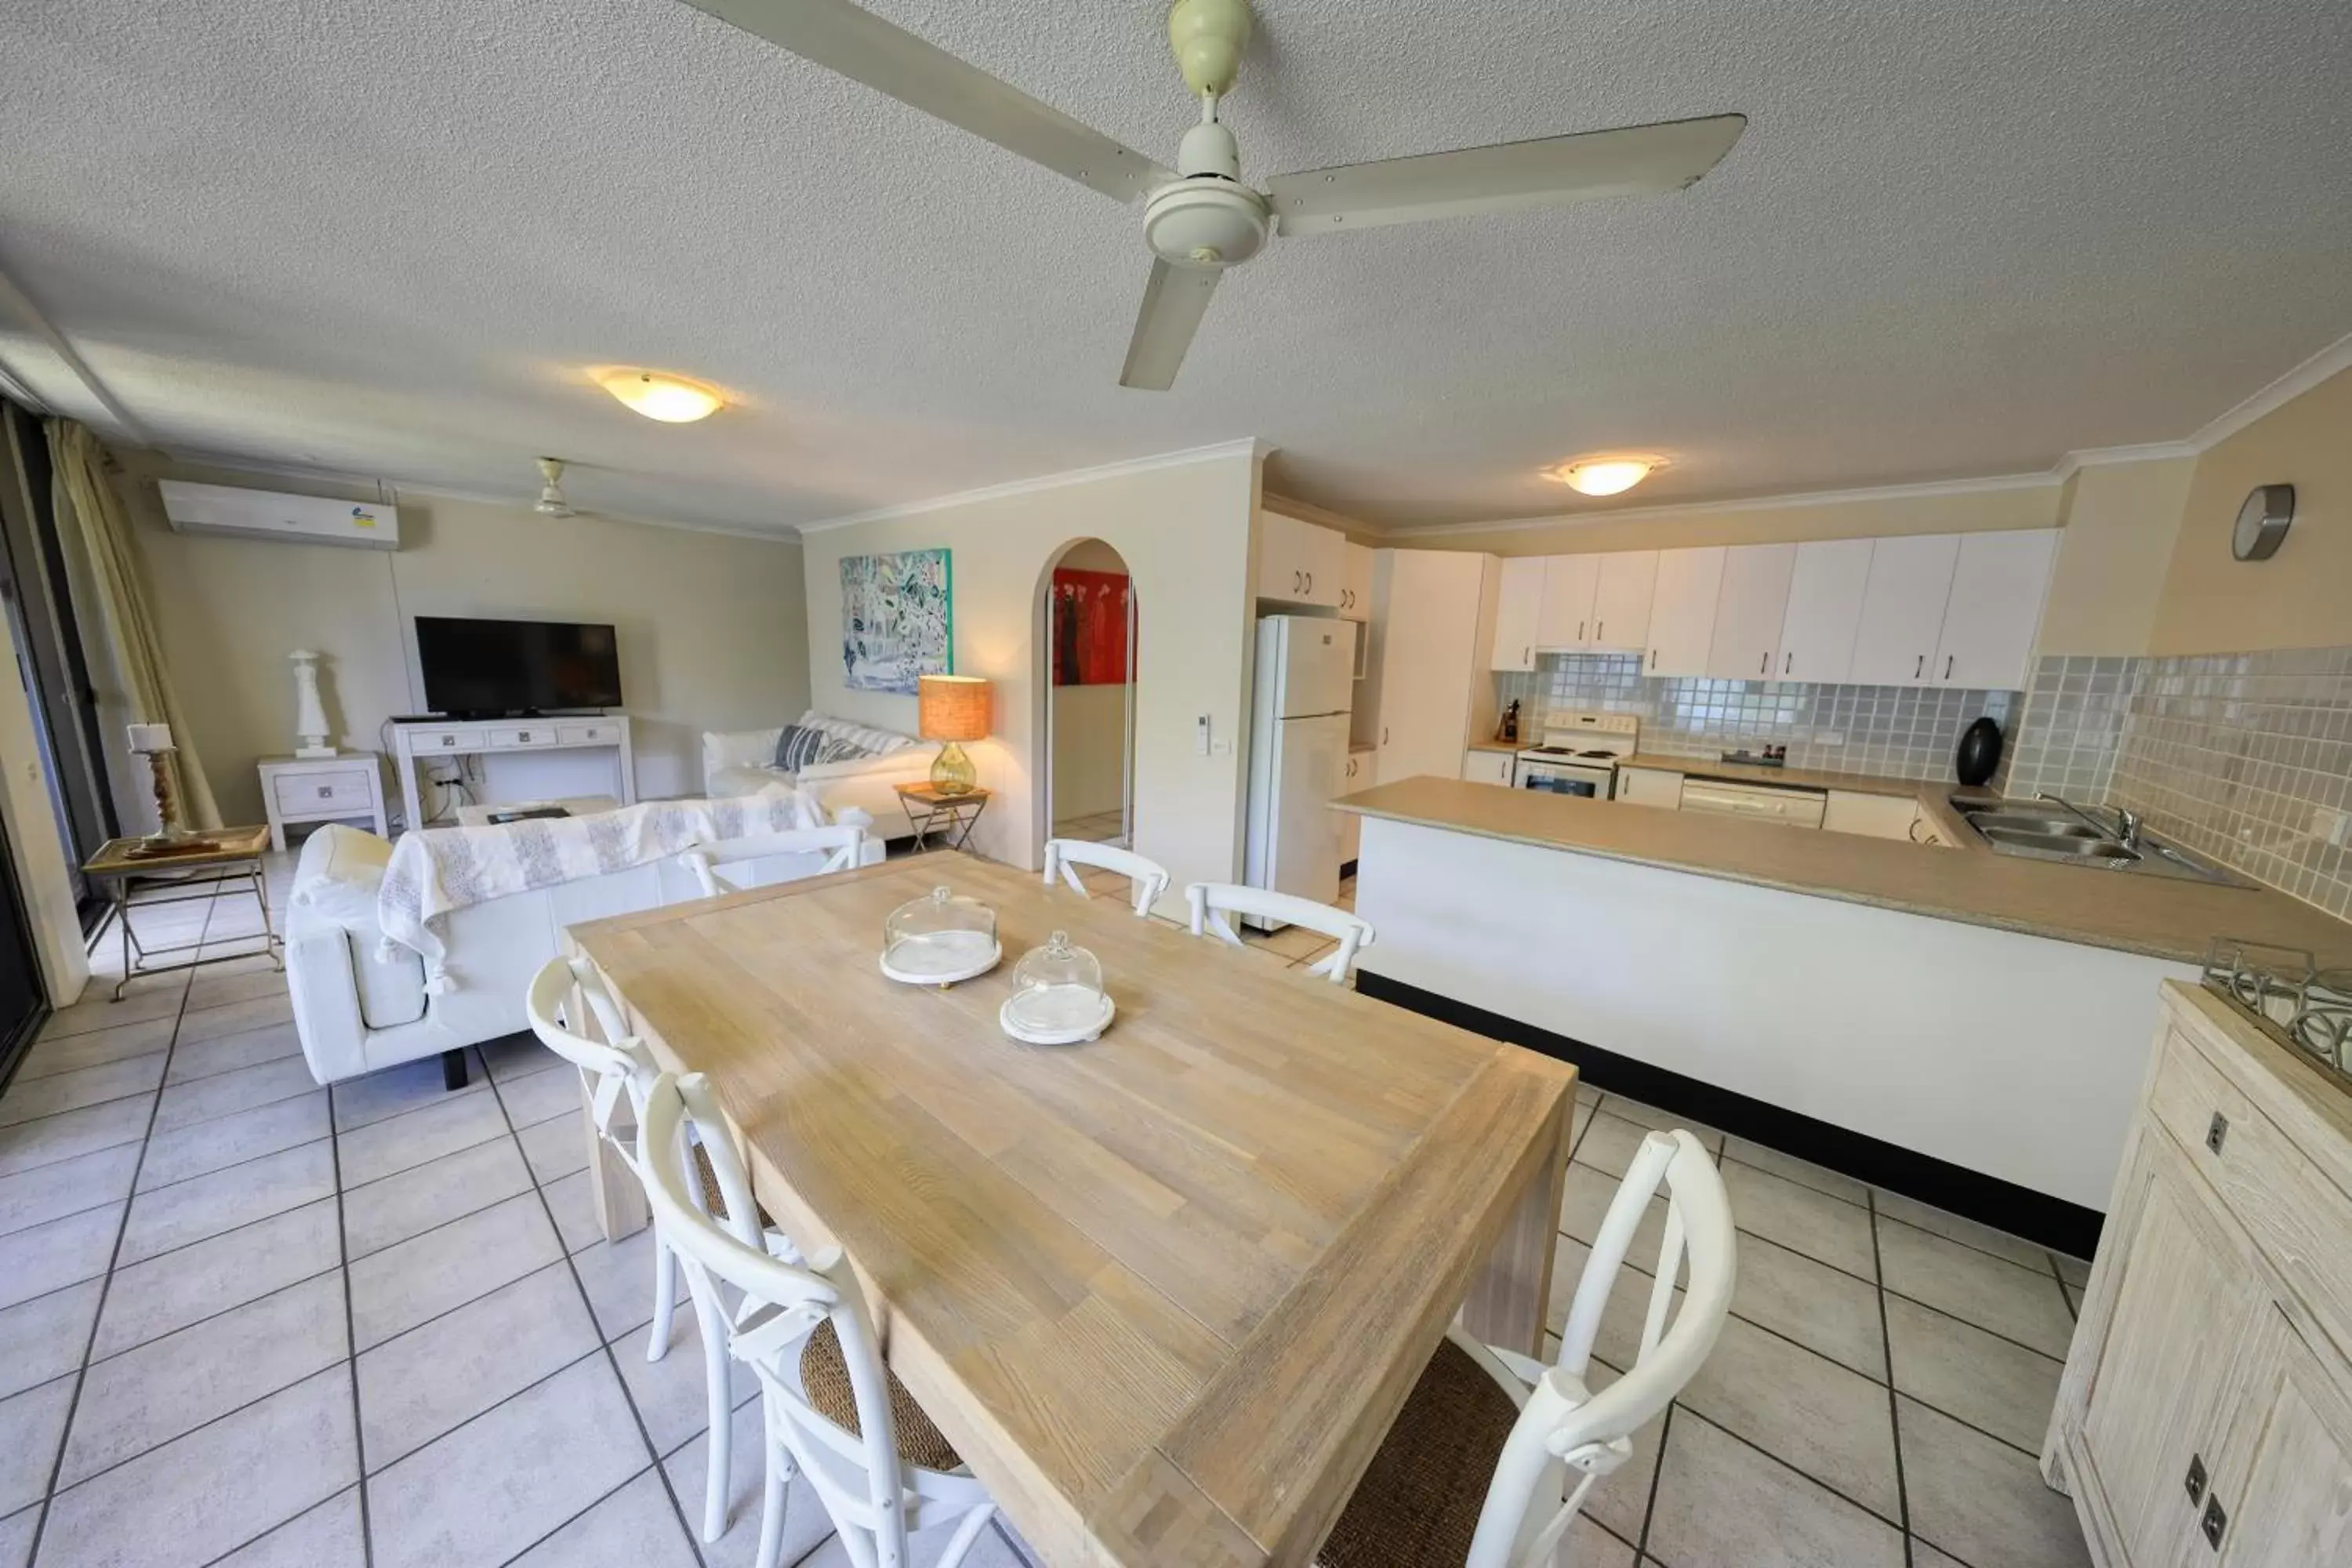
<point>350,1336</point>
<point>1893,1403</point>
<point>1657,1480</point>
<point>210,1317</point>
<point>243,1545</point>
<point>106,1285</point>
<point>644,1434</point>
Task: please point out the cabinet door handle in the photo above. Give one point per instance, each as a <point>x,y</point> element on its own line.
<point>1600,629</point>
<point>1919,666</point>
<point>1788,663</point>
<point>1310,582</point>
<point>2214,1523</point>
<point>2196,1481</point>
<point>1528,656</point>
<point>1764,665</point>
<point>326,792</point>
<point>1580,631</point>
<point>1654,658</point>
<point>2216,1131</point>
<point>1384,734</point>
<point>1948,665</point>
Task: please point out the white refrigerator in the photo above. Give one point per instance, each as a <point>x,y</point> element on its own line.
<point>1298,752</point>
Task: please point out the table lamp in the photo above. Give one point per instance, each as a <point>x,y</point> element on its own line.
<point>954,709</point>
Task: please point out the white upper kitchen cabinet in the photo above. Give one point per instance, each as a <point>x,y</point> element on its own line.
<point>1995,607</point>
<point>1518,605</point>
<point>1299,562</point>
<point>1565,621</point>
<point>1356,581</point>
<point>1622,593</point>
<point>1682,614</point>
<point>1748,611</point>
<point>1432,607</point>
<point>1825,596</point>
<point>1903,609</point>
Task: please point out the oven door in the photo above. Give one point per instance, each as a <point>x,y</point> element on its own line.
<point>1558,778</point>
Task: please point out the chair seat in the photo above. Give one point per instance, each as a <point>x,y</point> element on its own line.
<point>1418,1505</point>
<point>824,1375</point>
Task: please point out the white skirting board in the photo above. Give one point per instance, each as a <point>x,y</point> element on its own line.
<point>2015,1056</point>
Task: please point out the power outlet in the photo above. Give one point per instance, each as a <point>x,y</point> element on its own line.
<point>2330,825</point>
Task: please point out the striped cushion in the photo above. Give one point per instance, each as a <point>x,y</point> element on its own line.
<point>861,740</point>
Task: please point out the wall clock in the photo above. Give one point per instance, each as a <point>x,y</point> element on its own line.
<point>2262,523</point>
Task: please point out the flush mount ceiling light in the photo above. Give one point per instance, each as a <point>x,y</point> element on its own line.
<point>1604,476</point>
<point>672,399</point>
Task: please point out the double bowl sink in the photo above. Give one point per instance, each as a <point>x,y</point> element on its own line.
<point>2042,830</point>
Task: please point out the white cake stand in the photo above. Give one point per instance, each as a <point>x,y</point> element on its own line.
<point>1070,1036</point>
<point>942,960</point>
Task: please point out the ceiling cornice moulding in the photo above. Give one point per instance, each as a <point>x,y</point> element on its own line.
<point>1249,447</point>
<point>2335,358</point>
<point>1669,510</point>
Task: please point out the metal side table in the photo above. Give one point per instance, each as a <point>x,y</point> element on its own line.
<point>221,860</point>
<point>929,811</point>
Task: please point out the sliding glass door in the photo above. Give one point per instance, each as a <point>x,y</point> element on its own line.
<point>22,1002</point>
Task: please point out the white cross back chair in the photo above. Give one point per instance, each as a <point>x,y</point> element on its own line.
<point>738,865</point>
<point>1147,879</point>
<point>609,1073</point>
<point>834,1413</point>
<point>1541,1433</point>
<point>1213,901</point>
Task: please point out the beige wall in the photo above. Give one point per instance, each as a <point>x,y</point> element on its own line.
<point>1768,522</point>
<point>2301,597</point>
<point>711,629</point>
<point>2120,520</point>
<point>1184,533</point>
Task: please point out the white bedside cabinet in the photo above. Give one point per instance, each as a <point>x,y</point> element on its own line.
<point>348,787</point>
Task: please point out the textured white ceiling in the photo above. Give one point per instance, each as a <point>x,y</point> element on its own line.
<point>1959,237</point>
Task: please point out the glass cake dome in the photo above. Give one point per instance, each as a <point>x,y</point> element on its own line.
<point>938,938</point>
<point>1057,994</point>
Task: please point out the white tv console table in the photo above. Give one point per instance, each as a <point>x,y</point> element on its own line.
<point>432,739</point>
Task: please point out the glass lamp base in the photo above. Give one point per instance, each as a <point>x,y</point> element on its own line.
<point>951,771</point>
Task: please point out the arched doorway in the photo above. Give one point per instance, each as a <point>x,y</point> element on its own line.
<point>1087,631</point>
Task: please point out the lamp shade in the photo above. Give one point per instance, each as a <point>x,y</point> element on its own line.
<point>952,707</point>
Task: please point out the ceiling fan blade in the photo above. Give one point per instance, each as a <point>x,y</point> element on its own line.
<point>1174,300</point>
<point>864,47</point>
<point>1634,159</point>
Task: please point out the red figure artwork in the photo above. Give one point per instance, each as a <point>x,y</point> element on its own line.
<point>1090,627</point>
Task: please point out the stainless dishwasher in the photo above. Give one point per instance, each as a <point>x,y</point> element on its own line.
<point>1758,803</point>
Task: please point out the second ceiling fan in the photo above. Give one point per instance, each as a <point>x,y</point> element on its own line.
<point>1199,218</point>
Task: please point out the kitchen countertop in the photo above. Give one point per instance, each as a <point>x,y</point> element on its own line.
<point>2156,916</point>
<point>1513,746</point>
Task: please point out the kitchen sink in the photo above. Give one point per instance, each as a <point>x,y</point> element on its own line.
<point>2052,831</point>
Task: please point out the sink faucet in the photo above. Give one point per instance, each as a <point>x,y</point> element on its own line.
<point>2126,829</point>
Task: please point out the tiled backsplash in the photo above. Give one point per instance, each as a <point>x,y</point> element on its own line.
<point>2235,755</point>
<point>1896,731</point>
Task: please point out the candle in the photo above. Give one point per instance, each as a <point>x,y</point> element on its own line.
<point>150,738</point>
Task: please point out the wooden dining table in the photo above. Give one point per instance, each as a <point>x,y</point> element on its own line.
<point>1164,1290</point>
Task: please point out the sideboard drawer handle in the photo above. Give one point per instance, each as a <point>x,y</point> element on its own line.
<point>2214,1523</point>
<point>2216,1131</point>
<point>2196,1481</point>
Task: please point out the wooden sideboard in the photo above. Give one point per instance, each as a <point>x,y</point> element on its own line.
<point>2205,1417</point>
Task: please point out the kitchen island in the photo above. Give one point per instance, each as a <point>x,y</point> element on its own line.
<point>1965,1026</point>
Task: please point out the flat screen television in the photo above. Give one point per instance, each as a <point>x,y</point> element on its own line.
<point>490,667</point>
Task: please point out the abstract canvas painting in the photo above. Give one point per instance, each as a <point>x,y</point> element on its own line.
<point>898,620</point>
<point>1090,627</point>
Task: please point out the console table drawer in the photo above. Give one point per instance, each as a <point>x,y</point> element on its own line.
<point>440,742</point>
<point>305,792</point>
<point>510,737</point>
<point>588,732</point>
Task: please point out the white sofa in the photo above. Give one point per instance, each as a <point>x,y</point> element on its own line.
<point>741,761</point>
<point>357,1008</point>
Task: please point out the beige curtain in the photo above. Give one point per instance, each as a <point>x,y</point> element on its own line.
<point>106,535</point>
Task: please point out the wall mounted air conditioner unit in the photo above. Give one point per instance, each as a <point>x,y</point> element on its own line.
<point>265,514</point>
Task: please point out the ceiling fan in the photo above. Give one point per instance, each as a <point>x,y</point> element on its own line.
<point>552,501</point>
<point>1199,219</point>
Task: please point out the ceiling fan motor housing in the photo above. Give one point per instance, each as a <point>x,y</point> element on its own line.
<point>1205,220</point>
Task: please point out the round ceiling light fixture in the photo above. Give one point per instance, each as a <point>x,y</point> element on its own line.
<point>1605,475</point>
<point>672,399</point>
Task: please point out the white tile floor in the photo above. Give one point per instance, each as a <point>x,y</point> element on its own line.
<point>246,1321</point>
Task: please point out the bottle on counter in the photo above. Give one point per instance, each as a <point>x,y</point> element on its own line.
<point>1510,729</point>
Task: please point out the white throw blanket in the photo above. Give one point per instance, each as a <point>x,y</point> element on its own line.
<point>439,869</point>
